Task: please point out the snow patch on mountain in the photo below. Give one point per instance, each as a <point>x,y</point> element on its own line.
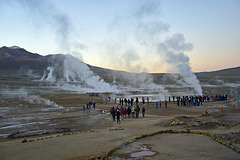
<point>15,47</point>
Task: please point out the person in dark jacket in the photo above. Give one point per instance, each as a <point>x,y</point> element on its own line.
<point>143,111</point>
<point>129,112</point>
<point>137,111</point>
<point>118,116</point>
<point>113,112</point>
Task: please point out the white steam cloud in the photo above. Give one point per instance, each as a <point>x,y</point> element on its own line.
<point>44,13</point>
<point>172,50</point>
<point>142,31</point>
<point>142,82</point>
<point>136,38</point>
<point>32,99</point>
<point>72,74</point>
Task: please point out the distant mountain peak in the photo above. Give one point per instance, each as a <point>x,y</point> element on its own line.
<point>18,53</point>
<point>15,47</point>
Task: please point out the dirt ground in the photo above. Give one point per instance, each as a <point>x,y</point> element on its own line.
<point>69,134</point>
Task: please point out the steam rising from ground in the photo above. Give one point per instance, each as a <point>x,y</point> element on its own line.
<point>141,82</point>
<point>143,31</point>
<point>22,94</point>
<point>72,74</point>
<point>172,50</point>
<point>139,36</point>
<point>69,73</point>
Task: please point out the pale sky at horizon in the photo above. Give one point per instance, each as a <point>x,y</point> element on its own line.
<point>125,34</point>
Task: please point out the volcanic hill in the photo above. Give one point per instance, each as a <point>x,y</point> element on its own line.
<point>18,58</point>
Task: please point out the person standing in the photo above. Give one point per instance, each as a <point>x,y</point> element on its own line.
<point>137,111</point>
<point>133,111</point>
<point>129,112</point>
<point>123,111</point>
<point>84,108</point>
<point>132,101</point>
<point>126,112</point>
<point>156,104</point>
<point>165,103</point>
<point>88,109</point>
<point>91,105</point>
<point>189,101</point>
<point>143,111</point>
<point>113,112</point>
<point>194,102</point>
<point>118,116</point>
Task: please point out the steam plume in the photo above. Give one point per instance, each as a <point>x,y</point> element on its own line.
<point>47,14</point>
<point>32,99</point>
<point>149,37</point>
<point>172,50</point>
<point>68,69</point>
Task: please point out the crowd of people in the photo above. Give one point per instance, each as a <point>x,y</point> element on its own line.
<point>127,112</point>
<point>196,100</point>
<point>190,100</point>
<point>125,101</point>
<point>89,106</point>
<point>132,109</point>
<point>159,103</point>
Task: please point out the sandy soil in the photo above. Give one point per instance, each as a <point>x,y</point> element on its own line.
<point>71,134</point>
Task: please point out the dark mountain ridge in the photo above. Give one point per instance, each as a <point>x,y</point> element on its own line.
<point>19,58</point>
<point>234,71</point>
<point>17,53</point>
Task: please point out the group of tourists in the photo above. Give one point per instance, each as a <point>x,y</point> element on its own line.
<point>130,102</point>
<point>159,103</point>
<point>196,100</point>
<point>89,106</point>
<point>189,100</point>
<point>219,97</point>
<point>127,112</point>
<point>132,109</point>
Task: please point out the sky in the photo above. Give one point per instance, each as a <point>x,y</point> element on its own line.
<point>130,35</point>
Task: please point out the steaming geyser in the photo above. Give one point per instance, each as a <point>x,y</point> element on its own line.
<point>69,73</point>
<point>172,51</point>
<point>72,74</point>
<point>31,98</point>
<point>142,83</point>
<point>139,43</point>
